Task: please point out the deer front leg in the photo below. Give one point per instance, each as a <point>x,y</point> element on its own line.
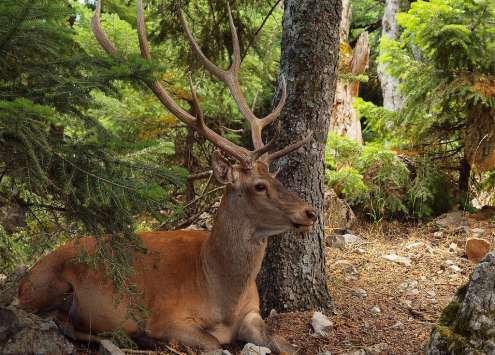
<point>254,330</point>
<point>188,335</point>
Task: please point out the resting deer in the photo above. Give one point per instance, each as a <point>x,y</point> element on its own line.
<point>201,291</point>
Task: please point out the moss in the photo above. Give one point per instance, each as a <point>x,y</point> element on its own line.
<point>461,292</point>
<point>455,343</point>
<point>449,314</point>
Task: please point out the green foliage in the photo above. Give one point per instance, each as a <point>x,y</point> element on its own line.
<point>445,59</point>
<point>383,184</point>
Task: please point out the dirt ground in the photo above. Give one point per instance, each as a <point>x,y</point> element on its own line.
<point>410,298</point>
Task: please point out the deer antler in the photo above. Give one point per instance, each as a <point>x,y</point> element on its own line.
<point>231,79</point>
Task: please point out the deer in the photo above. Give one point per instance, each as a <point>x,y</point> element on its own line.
<point>201,290</point>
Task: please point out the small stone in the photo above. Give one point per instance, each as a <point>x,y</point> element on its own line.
<point>252,349</point>
<point>431,293</point>
<point>375,310</point>
<point>397,325</point>
<point>321,324</point>
<point>477,232</point>
<point>453,248</point>
<point>476,249</point>
<point>273,312</point>
<point>343,241</point>
<point>379,348</point>
<point>360,250</point>
<point>414,245</point>
<point>346,267</point>
<point>403,260</point>
<point>359,292</point>
<point>438,234</point>
<point>408,285</point>
<point>455,268</point>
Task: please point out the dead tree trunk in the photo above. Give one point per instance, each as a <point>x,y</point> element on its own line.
<point>392,100</point>
<point>344,119</point>
<point>293,273</point>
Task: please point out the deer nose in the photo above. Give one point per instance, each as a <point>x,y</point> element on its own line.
<point>311,214</point>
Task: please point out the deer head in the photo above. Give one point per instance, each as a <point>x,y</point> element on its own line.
<point>249,184</point>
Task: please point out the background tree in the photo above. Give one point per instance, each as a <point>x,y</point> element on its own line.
<point>293,273</point>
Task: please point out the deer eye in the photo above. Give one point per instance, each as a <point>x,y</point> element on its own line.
<point>260,187</point>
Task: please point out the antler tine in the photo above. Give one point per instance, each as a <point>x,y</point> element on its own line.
<point>230,78</point>
<point>278,154</point>
<point>100,35</point>
<point>235,151</point>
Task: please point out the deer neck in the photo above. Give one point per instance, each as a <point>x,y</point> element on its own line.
<point>232,255</point>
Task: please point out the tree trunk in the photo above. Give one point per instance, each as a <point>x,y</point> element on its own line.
<point>293,273</point>
<point>392,100</point>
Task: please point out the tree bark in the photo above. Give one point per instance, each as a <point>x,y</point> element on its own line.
<point>392,100</point>
<point>293,273</point>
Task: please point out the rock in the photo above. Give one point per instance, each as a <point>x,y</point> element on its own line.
<point>408,285</point>
<point>397,325</point>
<point>25,333</point>
<point>477,232</point>
<point>346,266</point>
<point>109,348</point>
<point>252,349</point>
<point>476,249</point>
<point>431,293</point>
<point>455,268</point>
<point>414,245</point>
<point>467,324</point>
<point>375,310</point>
<point>379,348</point>
<point>438,234</point>
<point>360,250</point>
<point>321,324</point>
<point>343,241</point>
<point>359,292</point>
<point>338,212</point>
<point>273,312</point>
<point>451,220</point>
<point>454,248</point>
<point>403,260</point>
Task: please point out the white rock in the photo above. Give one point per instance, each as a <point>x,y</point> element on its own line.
<point>408,285</point>
<point>321,324</point>
<point>477,231</point>
<point>431,293</point>
<point>403,260</point>
<point>454,248</point>
<point>397,325</point>
<point>343,241</point>
<point>455,268</point>
<point>360,250</point>
<point>414,245</point>
<point>252,349</point>
<point>359,292</point>
<point>438,234</point>
<point>375,310</point>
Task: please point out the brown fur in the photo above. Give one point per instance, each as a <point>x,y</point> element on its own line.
<point>198,288</point>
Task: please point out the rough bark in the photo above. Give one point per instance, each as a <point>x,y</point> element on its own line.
<point>467,324</point>
<point>479,140</point>
<point>293,274</point>
<point>392,100</point>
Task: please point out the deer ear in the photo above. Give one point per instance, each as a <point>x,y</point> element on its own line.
<point>221,168</point>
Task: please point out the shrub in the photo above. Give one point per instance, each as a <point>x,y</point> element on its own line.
<point>381,183</point>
